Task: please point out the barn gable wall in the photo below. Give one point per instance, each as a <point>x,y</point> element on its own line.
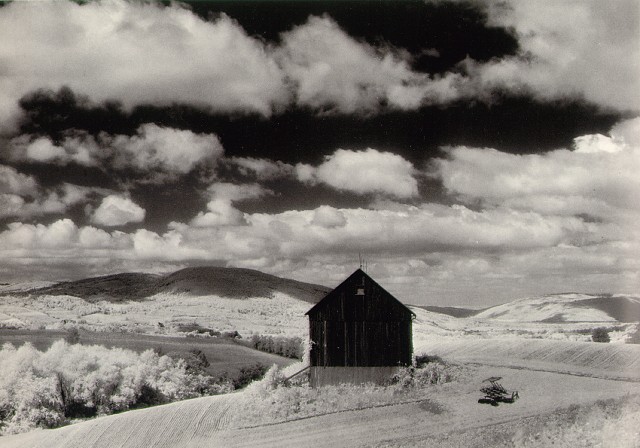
<point>359,324</point>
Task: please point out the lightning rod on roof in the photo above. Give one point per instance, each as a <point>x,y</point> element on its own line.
<point>363,262</point>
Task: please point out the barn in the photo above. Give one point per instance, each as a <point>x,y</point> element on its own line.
<point>358,333</point>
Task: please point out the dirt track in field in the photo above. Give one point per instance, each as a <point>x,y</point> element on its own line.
<point>451,412</point>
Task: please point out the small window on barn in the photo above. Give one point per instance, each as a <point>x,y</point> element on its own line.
<point>360,291</point>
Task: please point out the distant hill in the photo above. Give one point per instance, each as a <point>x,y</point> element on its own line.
<point>237,283</point>
<point>225,282</point>
<point>117,287</point>
<point>568,307</point>
<point>621,308</point>
<point>453,311</point>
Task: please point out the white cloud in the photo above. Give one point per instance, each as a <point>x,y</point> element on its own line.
<point>136,53</point>
<point>159,152</point>
<point>77,147</point>
<point>333,71</point>
<point>627,132</point>
<point>325,216</point>
<point>117,211</point>
<point>221,211</point>
<point>42,150</point>
<point>14,182</point>
<point>141,53</point>
<point>261,169</point>
<point>172,150</point>
<point>150,245</point>
<point>21,196</point>
<point>598,178</point>
<point>363,172</point>
<point>573,49</point>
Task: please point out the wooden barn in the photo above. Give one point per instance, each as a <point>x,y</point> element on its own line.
<point>359,333</point>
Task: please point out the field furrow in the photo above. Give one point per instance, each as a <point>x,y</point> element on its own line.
<point>583,358</point>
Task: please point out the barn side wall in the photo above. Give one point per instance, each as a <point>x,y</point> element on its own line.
<point>326,376</point>
<point>360,344</point>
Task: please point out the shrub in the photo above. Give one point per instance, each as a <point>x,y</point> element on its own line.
<point>72,336</point>
<point>249,374</point>
<point>194,360</point>
<point>600,335</point>
<point>273,399</point>
<point>434,372</point>
<point>423,360</point>
<point>45,389</point>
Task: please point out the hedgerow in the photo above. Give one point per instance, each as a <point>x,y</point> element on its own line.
<point>289,347</point>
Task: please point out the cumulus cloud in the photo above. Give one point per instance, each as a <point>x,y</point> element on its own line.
<point>363,172</point>
<point>159,153</point>
<point>598,177</point>
<point>261,169</point>
<point>333,70</point>
<point>77,147</point>
<point>325,216</point>
<point>221,211</point>
<point>14,182</point>
<point>21,197</point>
<point>117,210</point>
<point>110,51</point>
<point>587,49</point>
<point>172,150</point>
<point>136,53</point>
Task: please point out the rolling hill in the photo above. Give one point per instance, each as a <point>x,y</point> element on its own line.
<point>197,281</point>
<point>570,307</point>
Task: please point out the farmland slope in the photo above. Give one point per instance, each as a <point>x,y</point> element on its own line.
<point>450,409</point>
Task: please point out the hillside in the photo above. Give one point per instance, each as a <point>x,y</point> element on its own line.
<point>199,281</point>
<point>453,311</point>
<point>569,307</point>
<point>237,283</point>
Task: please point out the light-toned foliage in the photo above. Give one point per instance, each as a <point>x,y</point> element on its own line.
<point>46,389</point>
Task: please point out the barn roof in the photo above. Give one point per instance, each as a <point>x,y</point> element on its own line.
<point>357,272</point>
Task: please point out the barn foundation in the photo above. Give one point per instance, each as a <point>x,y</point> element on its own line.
<point>330,376</point>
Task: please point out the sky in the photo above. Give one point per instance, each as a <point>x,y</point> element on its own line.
<point>472,152</point>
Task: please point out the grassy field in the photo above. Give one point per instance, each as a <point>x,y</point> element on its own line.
<point>226,357</point>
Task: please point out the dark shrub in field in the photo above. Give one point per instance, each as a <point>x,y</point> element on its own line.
<point>600,335</point>
<point>195,360</point>
<point>249,374</point>
<point>423,360</point>
<point>72,336</point>
<point>197,328</point>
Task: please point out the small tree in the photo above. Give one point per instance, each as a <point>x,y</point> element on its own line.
<point>72,336</point>
<point>600,335</point>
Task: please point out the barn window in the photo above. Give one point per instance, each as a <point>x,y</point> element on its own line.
<point>360,291</point>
